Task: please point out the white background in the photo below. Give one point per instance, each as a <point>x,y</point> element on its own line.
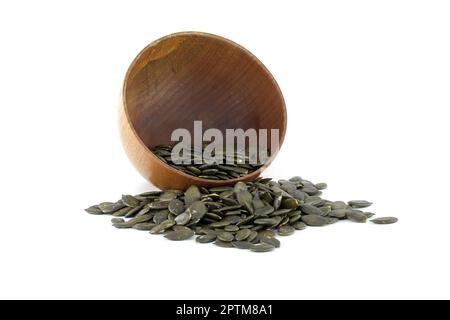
<point>367,90</point>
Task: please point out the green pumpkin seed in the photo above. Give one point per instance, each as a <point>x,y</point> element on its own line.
<point>179,234</point>
<point>321,185</point>
<point>158,205</point>
<point>225,236</point>
<point>277,202</point>
<point>144,210</point>
<point>221,189</point>
<point>264,211</point>
<point>194,170</point>
<point>168,196</point>
<point>160,228</point>
<point>207,238</point>
<point>110,207</point>
<point>130,201</point>
<point>122,212</point>
<point>266,233</point>
<point>233,169</point>
<point>191,195</point>
<point>117,220</point>
<point>241,244</point>
<point>271,241</point>
<point>234,219</point>
<point>332,220</point>
<point>183,218</point>
<point>261,247</point>
<point>314,220</point>
<point>356,216</point>
<point>326,210</point>
<point>289,203</point>
<point>176,206</point>
<point>94,210</point>
<point>286,230</point>
<point>220,224</point>
<point>243,234</point>
<point>359,204</point>
<point>294,218</point>
<point>369,214</point>
<point>223,244</point>
<point>339,205</point>
<point>160,216</point>
<point>134,211</point>
<point>310,209</point>
<point>311,190</point>
<point>145,226</point>
<point>267,221</point>
<point>339,213</point>
<point>244,197</point>
<point>231,228</point>
<point>228,208</point>
<point>384,220</point>
<point>299,225</point>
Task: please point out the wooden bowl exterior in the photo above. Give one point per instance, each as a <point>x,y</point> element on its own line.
<point>194,76</point>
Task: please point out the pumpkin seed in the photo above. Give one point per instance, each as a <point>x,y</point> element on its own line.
<point>207,238</point>
<point>145,226</point>
<point>191,195</point>
<point>271,241</point>
<point>225,236</point>
<point>223,244</point>
<point>264,211</point>
<point>176,206</point>
<point>160,228</point>
<point>356,216</point>
<point>289,203</point>
<point>266,233</point>
<point>243,234</point>
<point>384,220</point>
<point>220,224</point>
<point>253,236</point>
<point>339,213</point>
<point>231,228</point>
<point>122,212</point>
<point>299,225</point>
<point>321,185</point>
<point>183,218</point>
<point>310,209</point>
<point>110,207</point>
<point>117,220</point>
<point>130,201</point>
<point>179,233</point>
<point>369,214</point>
<point>314,220</point>
<point>241,244</point>
<point>261,247</point>
<point>266,221</point>
<point>359,203</point>
<point>339,205</point>
<point>160,216</point>
<point>286,230</point>
<point>94,210</point>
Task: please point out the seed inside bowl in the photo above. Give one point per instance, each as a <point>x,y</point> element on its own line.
<point>246,216</point>
<point>219,164</point>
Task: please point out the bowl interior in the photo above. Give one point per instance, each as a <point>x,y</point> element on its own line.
<point>192,76</point>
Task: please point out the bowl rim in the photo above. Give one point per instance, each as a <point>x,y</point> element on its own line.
<point>252,175</point>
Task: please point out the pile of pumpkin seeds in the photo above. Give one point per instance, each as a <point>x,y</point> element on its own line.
<point>246,216</point>
<point>227,167</point>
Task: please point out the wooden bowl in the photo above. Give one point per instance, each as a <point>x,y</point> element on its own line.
<point>194,76</point>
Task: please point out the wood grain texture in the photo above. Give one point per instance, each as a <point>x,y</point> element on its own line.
<point>194,76</point>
